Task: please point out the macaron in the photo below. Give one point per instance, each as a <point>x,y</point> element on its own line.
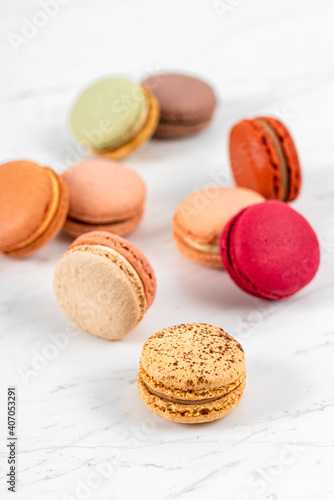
<point>114,116</point>
<point>191,373</point>
<point>105,195</point>
<point>270,250</point>
<point>104,284</point>
<point>201,217</point>
<point>186,103</point>
<point>264,158</point>
<point>33,207</point>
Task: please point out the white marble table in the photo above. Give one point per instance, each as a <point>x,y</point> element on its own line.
<point>82,430</point>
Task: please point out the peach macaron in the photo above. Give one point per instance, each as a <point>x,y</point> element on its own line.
<point>201,217</point>
<point>105,195</point>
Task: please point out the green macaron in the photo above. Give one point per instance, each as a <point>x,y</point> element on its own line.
<point>114,116</point>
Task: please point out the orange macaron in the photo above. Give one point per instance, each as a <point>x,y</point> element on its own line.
<point>33,207</point>
<point>263,157</point>
<point>105,195</point>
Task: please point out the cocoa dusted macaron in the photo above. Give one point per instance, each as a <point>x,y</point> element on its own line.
<point>186,103</point>
<point>34,203</point>
<point>105,195</point>
<point>191,373</point>
<point>264,158</point>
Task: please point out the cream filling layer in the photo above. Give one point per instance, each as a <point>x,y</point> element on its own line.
<point>201,247</point>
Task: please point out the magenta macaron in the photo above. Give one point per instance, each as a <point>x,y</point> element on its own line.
<point>270,250</point>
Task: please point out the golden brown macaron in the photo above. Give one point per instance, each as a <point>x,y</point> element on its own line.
<point>33,207</point>
<point>191,373</point>
<point>104,284</point>
<point>201,218</point>
<point>105,195</point>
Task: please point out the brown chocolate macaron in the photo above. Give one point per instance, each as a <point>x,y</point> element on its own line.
<point>191,373</point>
<point>186,103</point>
<point>34,203</point>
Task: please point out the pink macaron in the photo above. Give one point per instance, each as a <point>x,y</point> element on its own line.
<point>270,250</point>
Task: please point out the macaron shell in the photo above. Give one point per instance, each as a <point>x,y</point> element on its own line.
<point>191,414</point>
<point>193,357</point>
<point>23,184</point>
<point>75,228</point>
<point>142,136</point>
<point>182,97</point>
<point>202,215</point>
<point>295,174</point>
<point>104,191</point>
<point>99,291</point>
<point>270,250</point>
<point>54,227</point>
<point>136,258</point>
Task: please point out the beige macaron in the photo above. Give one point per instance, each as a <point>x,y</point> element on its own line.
<point>191,373</point>
<point>104,284</point>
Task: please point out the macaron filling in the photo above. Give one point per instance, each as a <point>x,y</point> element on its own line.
<point>201,247</point>
<point>284,170</point>
<point>187,397</point>
<point>50,213</point>
<point>127,268</point>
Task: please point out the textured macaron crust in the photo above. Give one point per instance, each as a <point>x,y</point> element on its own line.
<point>104,284</point>
<point>191,373</point>
<point>264,158</point>
<point>34,203</point>
<point>270,250</point>
<point>105,195</point>
<point>201,217</point>
<point>186,103</point>
<point>114,116</point>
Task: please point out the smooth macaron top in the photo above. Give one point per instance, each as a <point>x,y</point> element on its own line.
<point>126,249</point>
<point>109,113</point>
<point>182,97</point>
<point>201,217</point>
<point>270,250</point>
<point>103,191</point>
<point>264,158</point>
<point>193,357</point>
<point>29,202</point>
